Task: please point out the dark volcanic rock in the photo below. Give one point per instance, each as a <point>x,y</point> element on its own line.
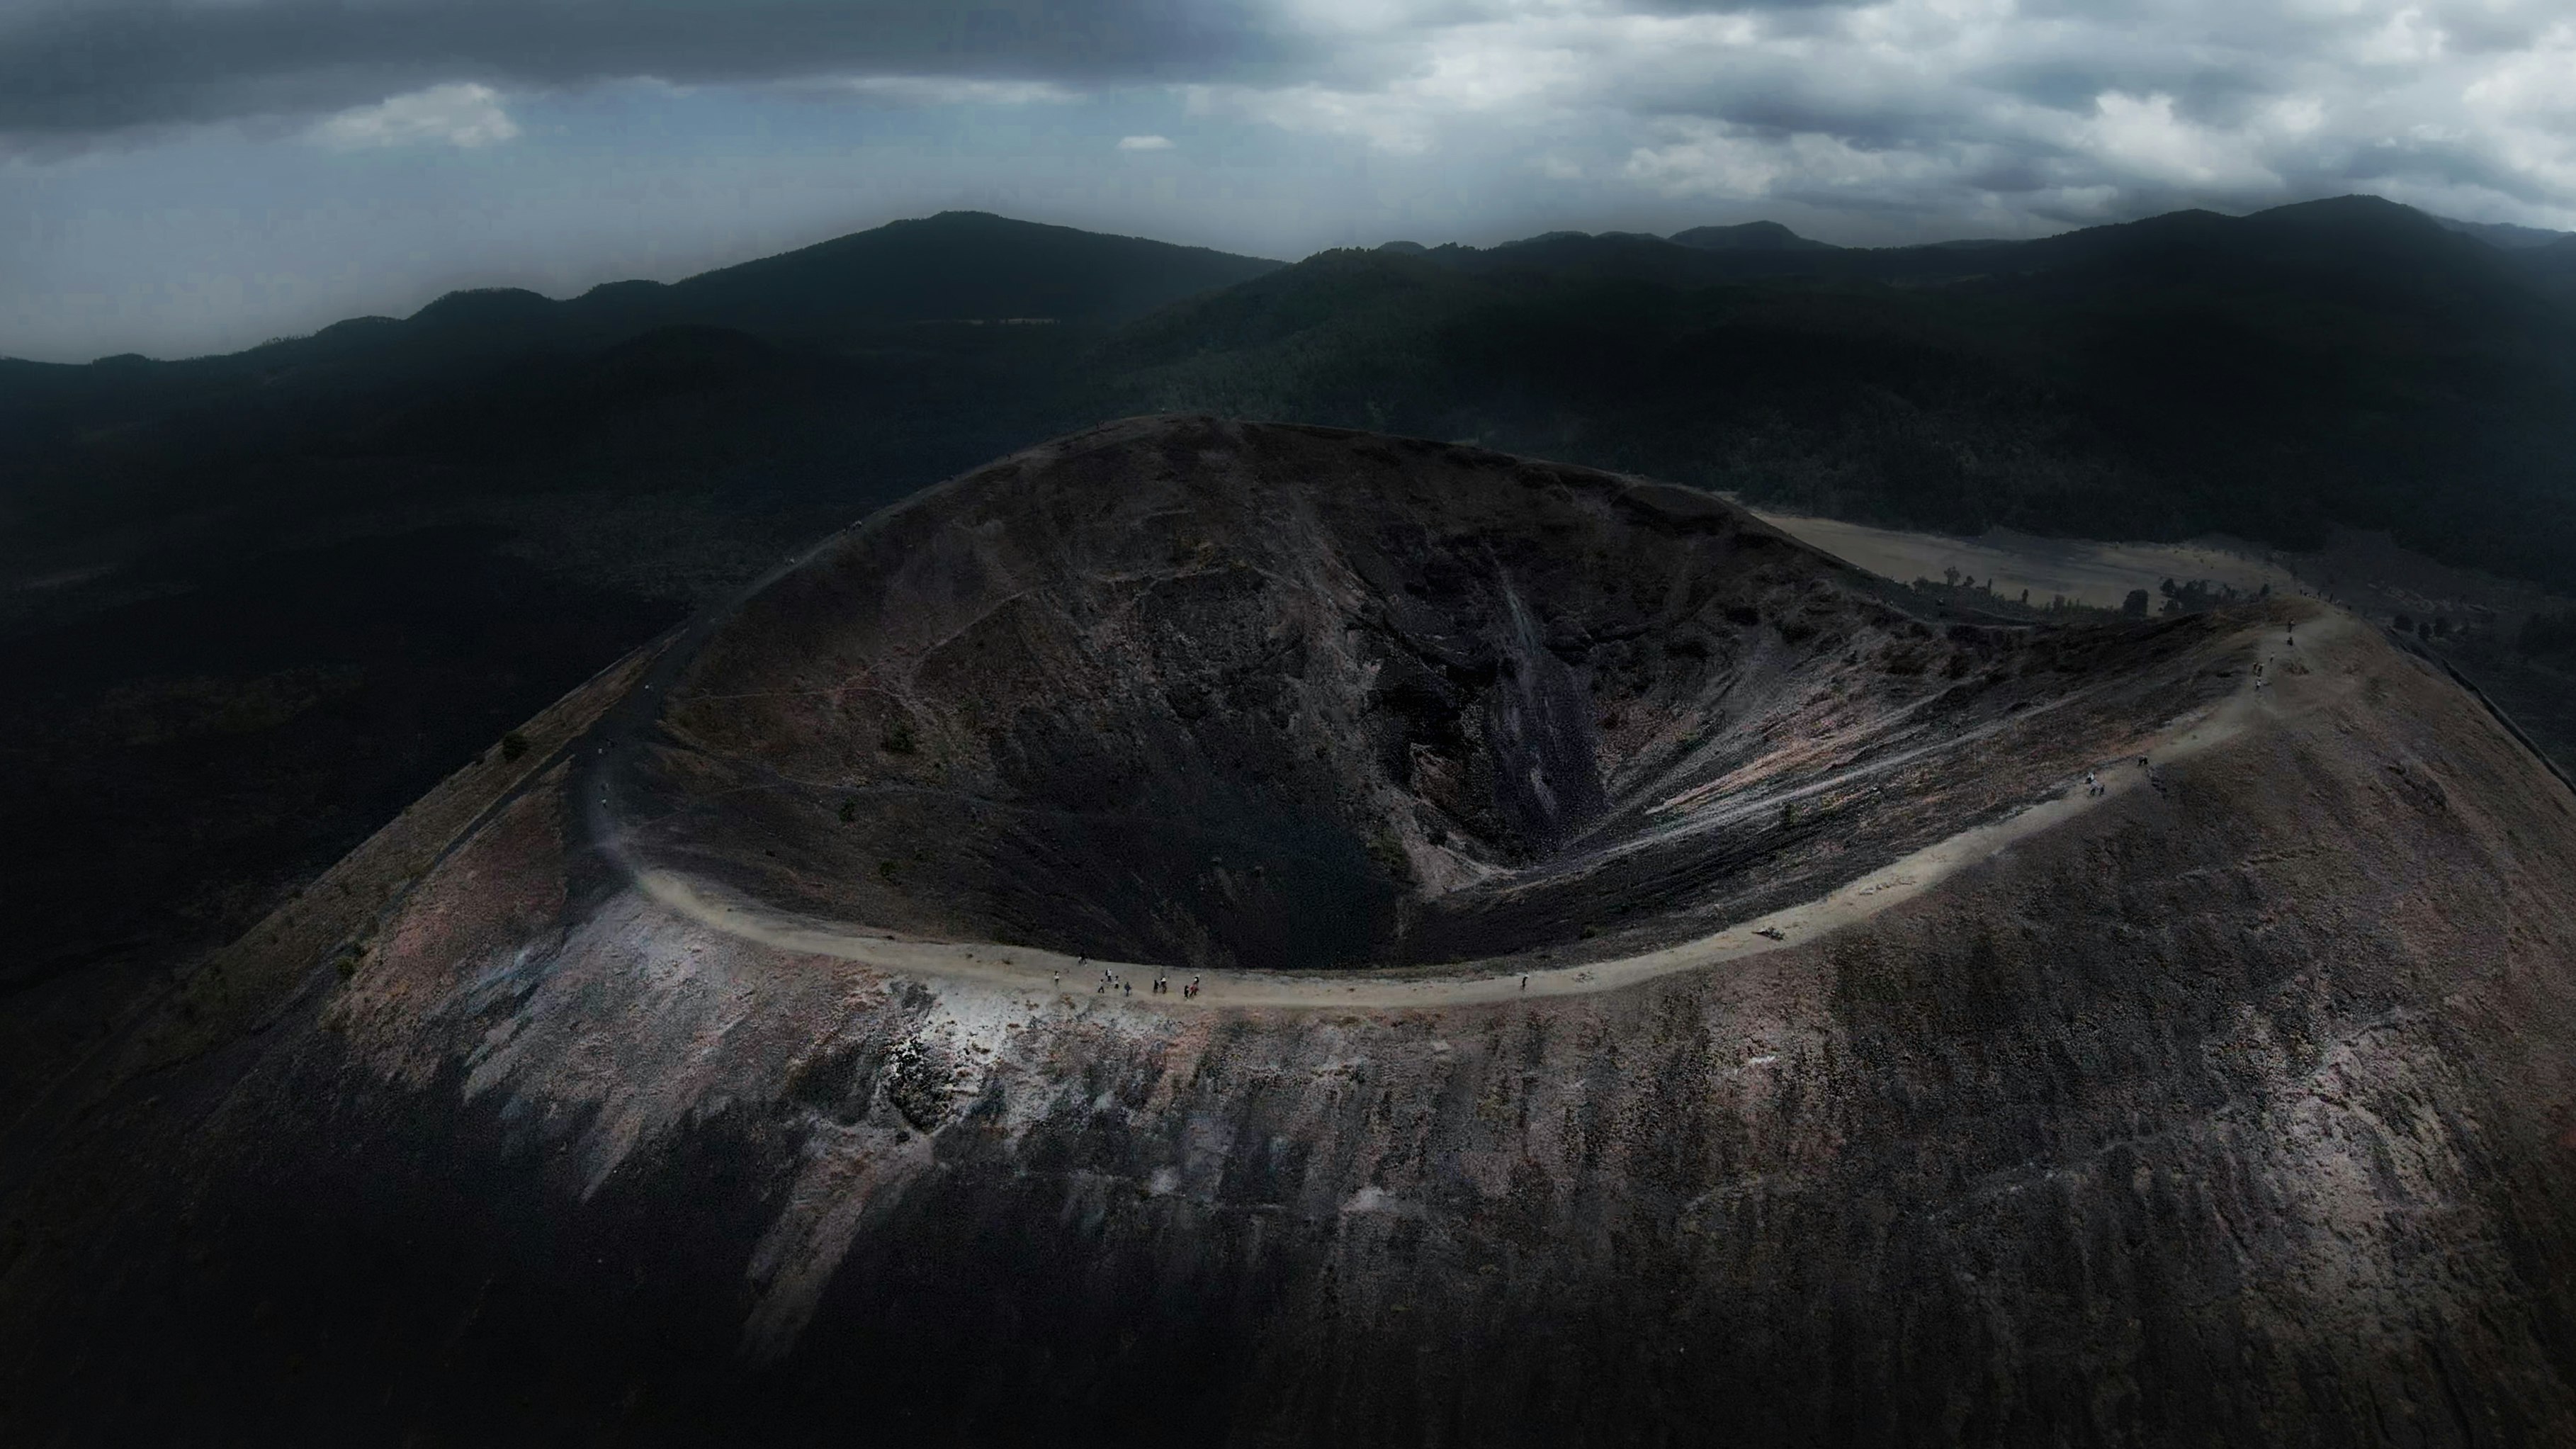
<point>2235,1105</point>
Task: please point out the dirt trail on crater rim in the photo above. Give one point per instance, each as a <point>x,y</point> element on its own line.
<point>1032,969</point>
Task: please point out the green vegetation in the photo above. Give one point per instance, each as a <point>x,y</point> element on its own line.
<point>2344,362</point>
<point>2546,636</point>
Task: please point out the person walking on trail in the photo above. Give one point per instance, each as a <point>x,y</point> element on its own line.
<point>1524,981</point>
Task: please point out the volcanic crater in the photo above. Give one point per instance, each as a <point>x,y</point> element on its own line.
<point>1213,695</point>
<point>1661,985</point>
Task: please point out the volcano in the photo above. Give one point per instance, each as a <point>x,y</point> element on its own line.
<point>1632,978</point>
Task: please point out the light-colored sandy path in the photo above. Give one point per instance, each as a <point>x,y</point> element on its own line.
<point>1054,974</point>
<point>2084,571</point>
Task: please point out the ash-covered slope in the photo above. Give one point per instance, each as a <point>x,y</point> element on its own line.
<point>1242,695</point>
<point>2235,1102</point>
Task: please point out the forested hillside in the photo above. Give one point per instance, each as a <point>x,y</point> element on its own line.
<point>2347,362</point>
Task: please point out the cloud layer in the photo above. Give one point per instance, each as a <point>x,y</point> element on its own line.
<point>2015,112</point>
<point>459,113</point>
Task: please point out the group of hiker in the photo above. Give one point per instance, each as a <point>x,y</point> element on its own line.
<point>1111,981</point>
<point>2094,784</point>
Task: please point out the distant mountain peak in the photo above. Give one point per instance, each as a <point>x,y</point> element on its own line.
<point>1750,236</point>
<point>2504,235</point>
<point>484,306</point>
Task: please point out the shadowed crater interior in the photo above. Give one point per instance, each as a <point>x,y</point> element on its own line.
<point>1215,694</point>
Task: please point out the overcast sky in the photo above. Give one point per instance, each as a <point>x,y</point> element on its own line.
<point>185,176</point>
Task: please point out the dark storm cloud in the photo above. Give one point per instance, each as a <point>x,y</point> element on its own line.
<point>90,66</point>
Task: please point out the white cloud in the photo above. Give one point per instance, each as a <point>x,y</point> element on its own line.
<point>2142,137</point>
<point>2408,38</point>
<point>1712,159</point>
<point>935,90</point>
<point>1144,143</point>
<point>1984,114</point>
<point>1388,123</point>
<point>459,114</point>
<point>1495,62</point>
